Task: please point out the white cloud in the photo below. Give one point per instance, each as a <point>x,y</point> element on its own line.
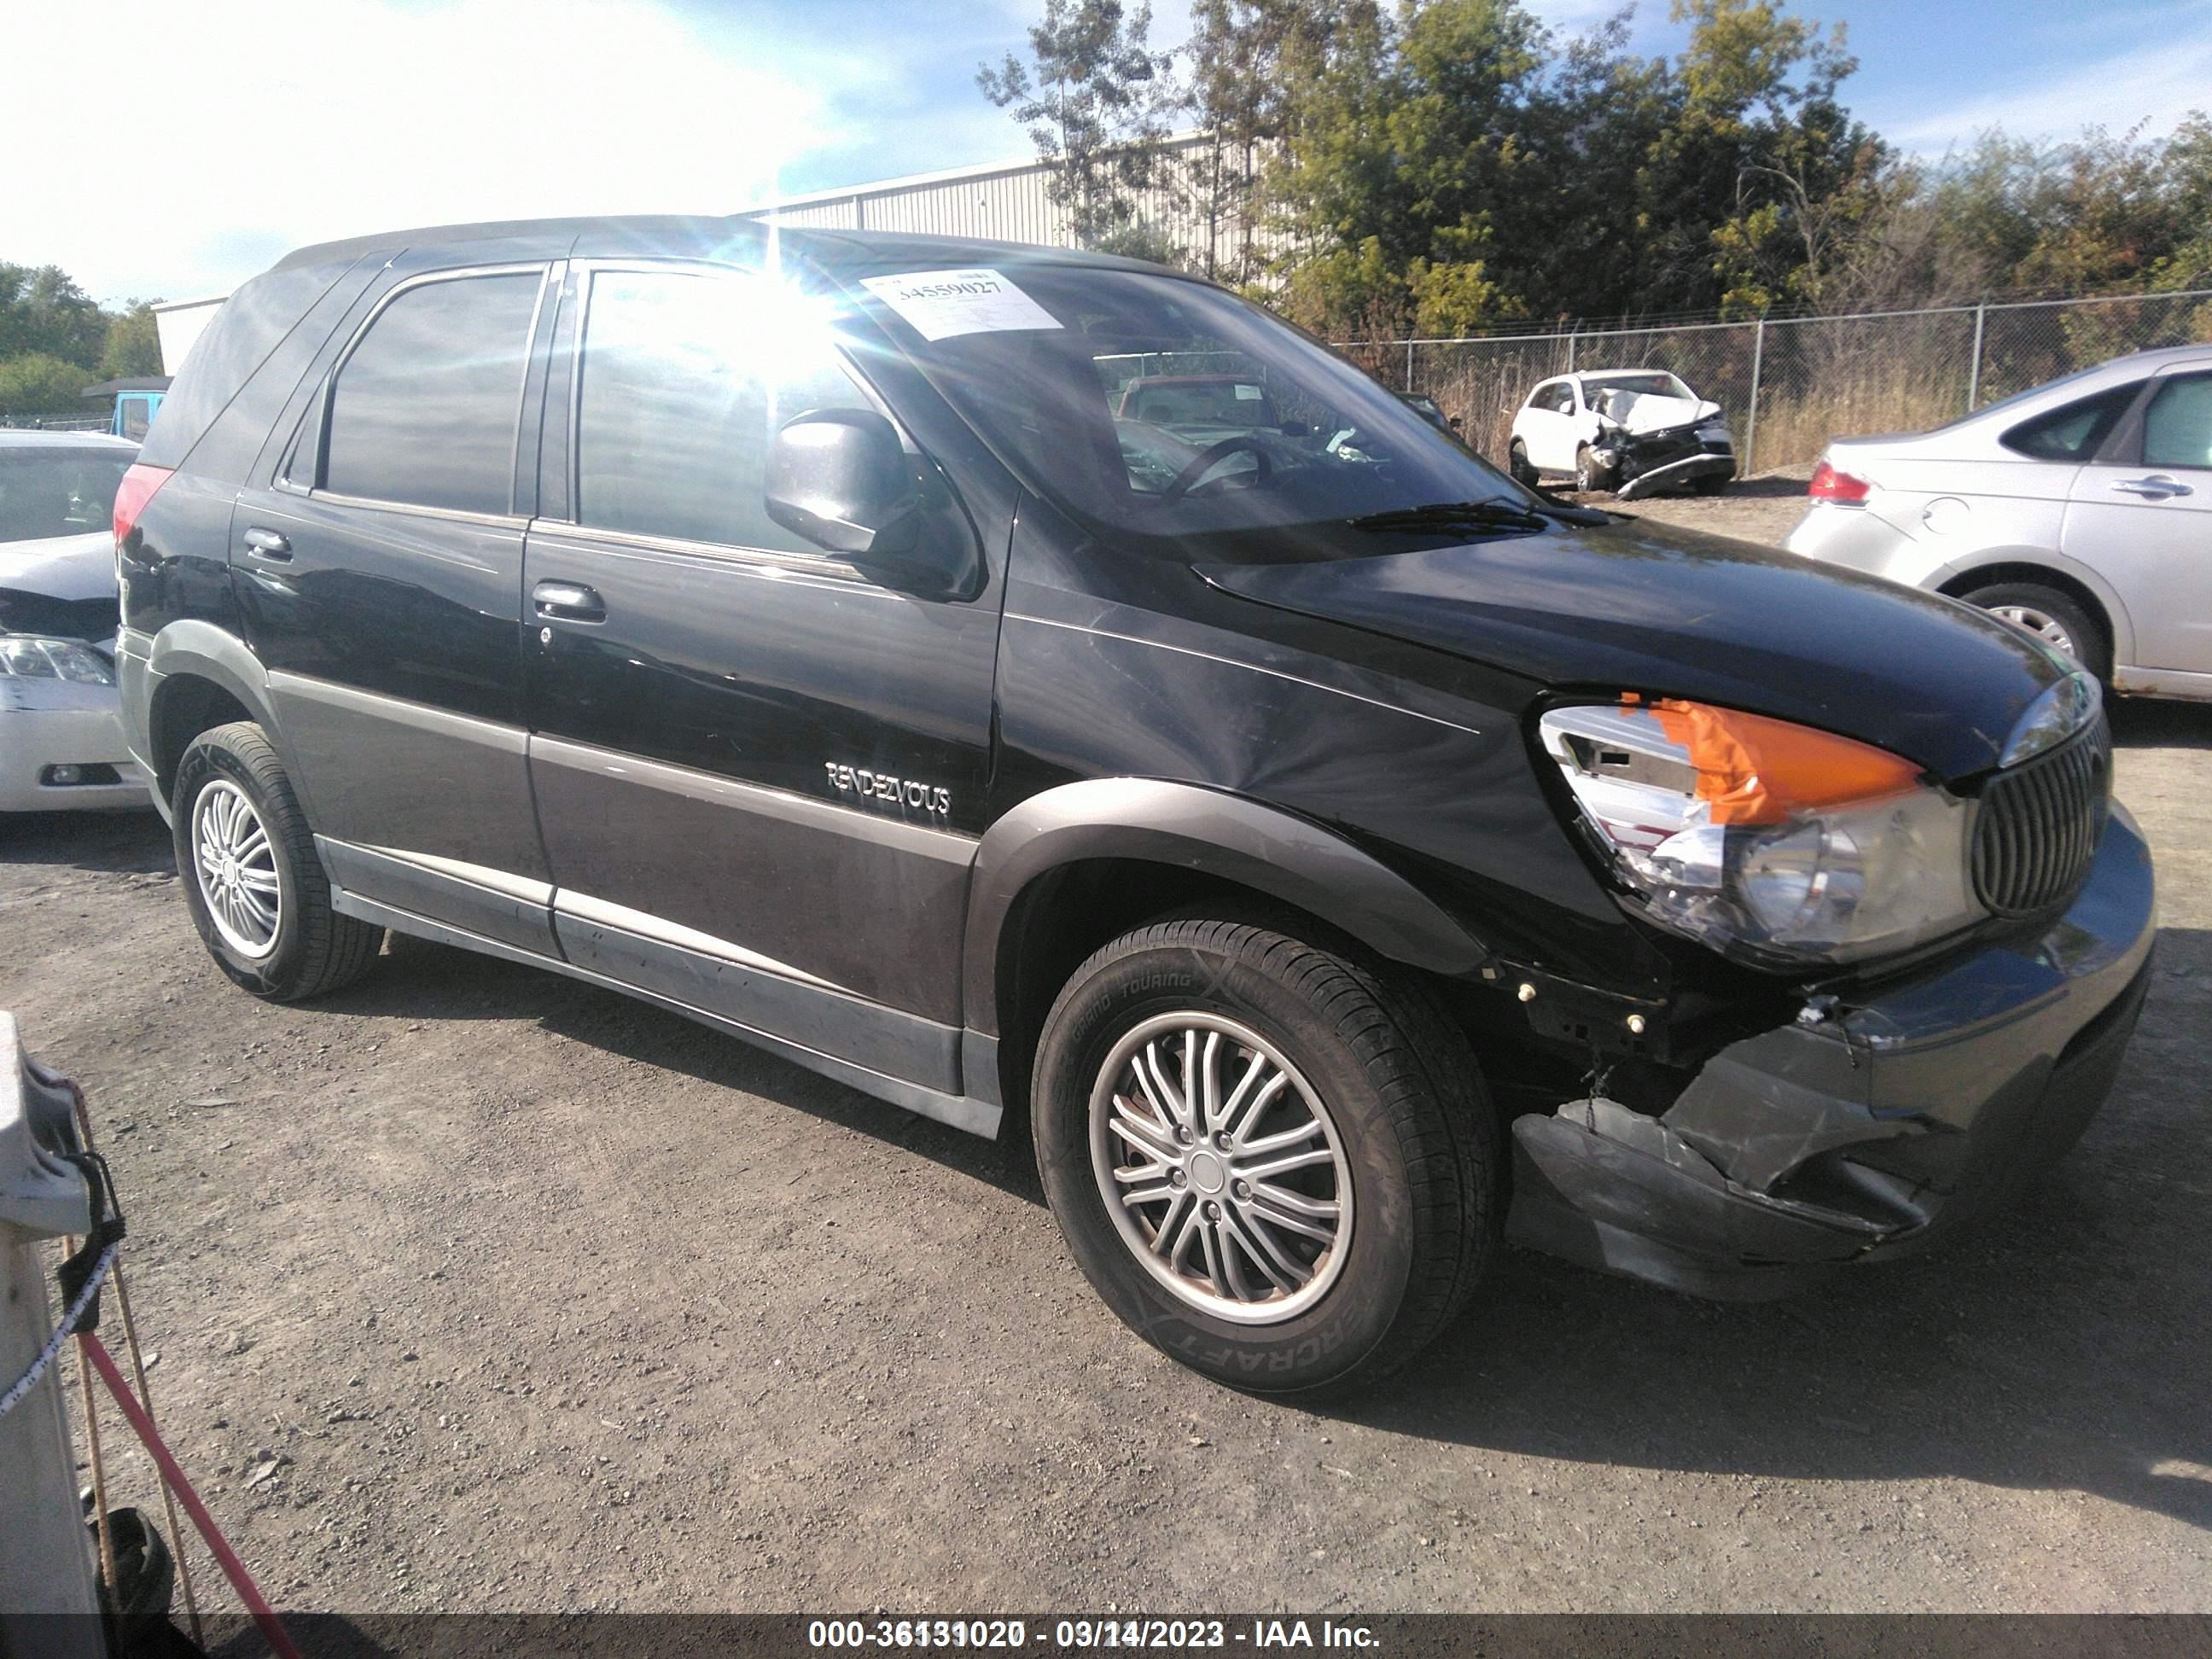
<point>257,125</point>
<point>2152,86</point>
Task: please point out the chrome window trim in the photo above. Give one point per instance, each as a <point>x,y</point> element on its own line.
<point>582,539</point>
<point>326,399</point>
<point>499,520</point>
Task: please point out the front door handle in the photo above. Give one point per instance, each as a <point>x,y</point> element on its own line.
<point>268,544</point>
<point>2156,488</point>
<point>568,602</point>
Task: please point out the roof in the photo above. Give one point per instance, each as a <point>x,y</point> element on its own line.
<point>139,383</point>
<point>689,236</point>
<point>13,438</point>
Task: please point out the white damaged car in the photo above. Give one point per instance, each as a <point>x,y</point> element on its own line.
<point>61,742</point>
<point>1634,431</point>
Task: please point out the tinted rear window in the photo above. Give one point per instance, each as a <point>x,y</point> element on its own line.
<point>2075,431</point>
<point>424,409</point>
<point>57,492</point>
<point>2177,425</point>
<point>251,324</point>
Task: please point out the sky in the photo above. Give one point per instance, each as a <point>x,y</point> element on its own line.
<point>173,151</point>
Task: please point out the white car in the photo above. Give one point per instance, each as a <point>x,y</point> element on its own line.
<point>1634,431</point>
<point>61,741</point>
<point>2080,510</point>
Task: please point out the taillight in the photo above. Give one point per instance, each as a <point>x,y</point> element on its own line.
<point>1830,485</point>
<point>137,489</point>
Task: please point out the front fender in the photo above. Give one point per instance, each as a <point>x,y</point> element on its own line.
<point>1188,826</point>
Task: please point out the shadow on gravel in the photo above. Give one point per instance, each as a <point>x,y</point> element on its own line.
<point>133,843</point>
<point>2138,724</point>
<point>2065,1344</point>
<point>420,980</point>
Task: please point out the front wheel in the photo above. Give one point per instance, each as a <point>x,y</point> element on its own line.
<point>1273,1165</point>
<point>250,875</point>
<point>2055,618</point>
<point>1591,477</point>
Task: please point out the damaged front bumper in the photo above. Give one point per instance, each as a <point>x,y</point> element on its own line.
<point>1866,1133</point>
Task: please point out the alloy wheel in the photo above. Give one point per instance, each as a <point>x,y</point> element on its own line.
<point>1221,1167</point>
<point>237,869</point>
<point>2041,624</point>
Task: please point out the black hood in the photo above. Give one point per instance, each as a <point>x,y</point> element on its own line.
<point>1673,613</point>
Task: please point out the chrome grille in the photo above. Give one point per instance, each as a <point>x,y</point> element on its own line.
<point>2039,824</point>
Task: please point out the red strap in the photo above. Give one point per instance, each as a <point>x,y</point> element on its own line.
<point>272,1630</point>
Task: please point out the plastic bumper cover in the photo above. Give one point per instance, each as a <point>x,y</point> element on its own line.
<point>1870,1132</point>
<point>46,723</point>
<point>1673,475</point>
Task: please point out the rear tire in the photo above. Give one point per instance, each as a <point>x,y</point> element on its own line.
<point>1516,459</point>
<point>2054,617</point>
<point>252,878</point>
<point>1378,1098</point>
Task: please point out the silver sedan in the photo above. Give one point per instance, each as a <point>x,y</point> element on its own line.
<point>2080,510</point>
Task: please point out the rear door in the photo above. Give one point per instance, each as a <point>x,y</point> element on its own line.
<point>378,568</point>
<point>759,771</point>
<point>2140,514</point>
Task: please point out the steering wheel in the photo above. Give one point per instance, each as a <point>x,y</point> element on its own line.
<point>1211,457</point>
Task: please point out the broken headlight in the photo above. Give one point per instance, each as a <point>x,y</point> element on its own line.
<point>1768,840</point>
<point>26,657</point>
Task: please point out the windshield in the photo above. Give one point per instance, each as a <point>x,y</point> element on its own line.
<point>1644,385</point>
<point>1149,406</point>
<point>57,492</point>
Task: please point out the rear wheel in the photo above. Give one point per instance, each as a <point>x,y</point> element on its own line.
<point>251,876</point>
<point>1272,1164</point>
<point>2054,617</point>
<point>1590,477</point>
<point>1518,461</point>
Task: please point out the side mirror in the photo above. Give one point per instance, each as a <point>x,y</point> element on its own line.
<point>838,477</point>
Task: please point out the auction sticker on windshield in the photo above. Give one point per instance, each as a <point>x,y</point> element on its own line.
<point>943,303</point>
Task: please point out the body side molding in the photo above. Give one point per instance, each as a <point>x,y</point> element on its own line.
<point>1193,828</point>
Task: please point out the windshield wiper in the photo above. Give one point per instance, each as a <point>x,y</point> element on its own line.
<point>1497,513</point>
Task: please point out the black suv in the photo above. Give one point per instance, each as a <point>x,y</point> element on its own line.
<point>1339,857</point>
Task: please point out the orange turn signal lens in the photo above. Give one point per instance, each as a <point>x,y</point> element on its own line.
<point>1753,770</point>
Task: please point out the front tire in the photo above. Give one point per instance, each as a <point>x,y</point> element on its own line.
<point>1591,479</point>
<point>256,889</point>
<point>1274,1165</point>
<point>2053,616</point>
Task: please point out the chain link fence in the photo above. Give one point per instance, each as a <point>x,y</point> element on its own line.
<point>1789,384</point>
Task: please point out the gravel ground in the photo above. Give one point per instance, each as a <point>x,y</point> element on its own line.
<point>476,1288</point>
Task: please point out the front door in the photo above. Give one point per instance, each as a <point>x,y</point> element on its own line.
<point>759,770</point>
<point>2140,516</point>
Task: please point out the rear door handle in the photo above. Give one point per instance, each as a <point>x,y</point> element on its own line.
<point>568,602</point>
<point>268,544</point>
<point>2155,489</point>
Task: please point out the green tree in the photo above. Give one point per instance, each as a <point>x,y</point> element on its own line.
<point>1246,60</point>
<point>133,346</point>
<point>1095,99</point>
<point>40,383</point>
<point>1407,180</point>
<point>42,310</point>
